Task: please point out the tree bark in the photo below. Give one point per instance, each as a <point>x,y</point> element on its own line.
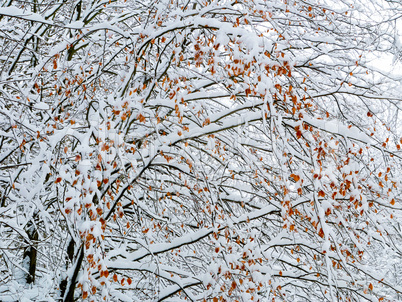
<point>31,252</point>
<point>69,297</point>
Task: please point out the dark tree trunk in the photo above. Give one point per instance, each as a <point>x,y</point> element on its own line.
<point>69,297</point>
<point>31,252</point>
<point>70,255</point>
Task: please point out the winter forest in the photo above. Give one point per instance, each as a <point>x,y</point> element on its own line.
<point>200,150</point>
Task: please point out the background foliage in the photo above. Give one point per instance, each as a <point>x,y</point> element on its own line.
<point>201,151</point>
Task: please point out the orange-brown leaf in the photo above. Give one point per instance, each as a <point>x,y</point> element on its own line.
<point>295,177</point>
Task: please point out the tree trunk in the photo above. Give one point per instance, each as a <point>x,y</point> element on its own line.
<point>31,252</point>
<point>70,255</point>
<point>69,297</point>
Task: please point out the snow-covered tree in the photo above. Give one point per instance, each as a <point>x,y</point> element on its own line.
<point>199,150</point>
